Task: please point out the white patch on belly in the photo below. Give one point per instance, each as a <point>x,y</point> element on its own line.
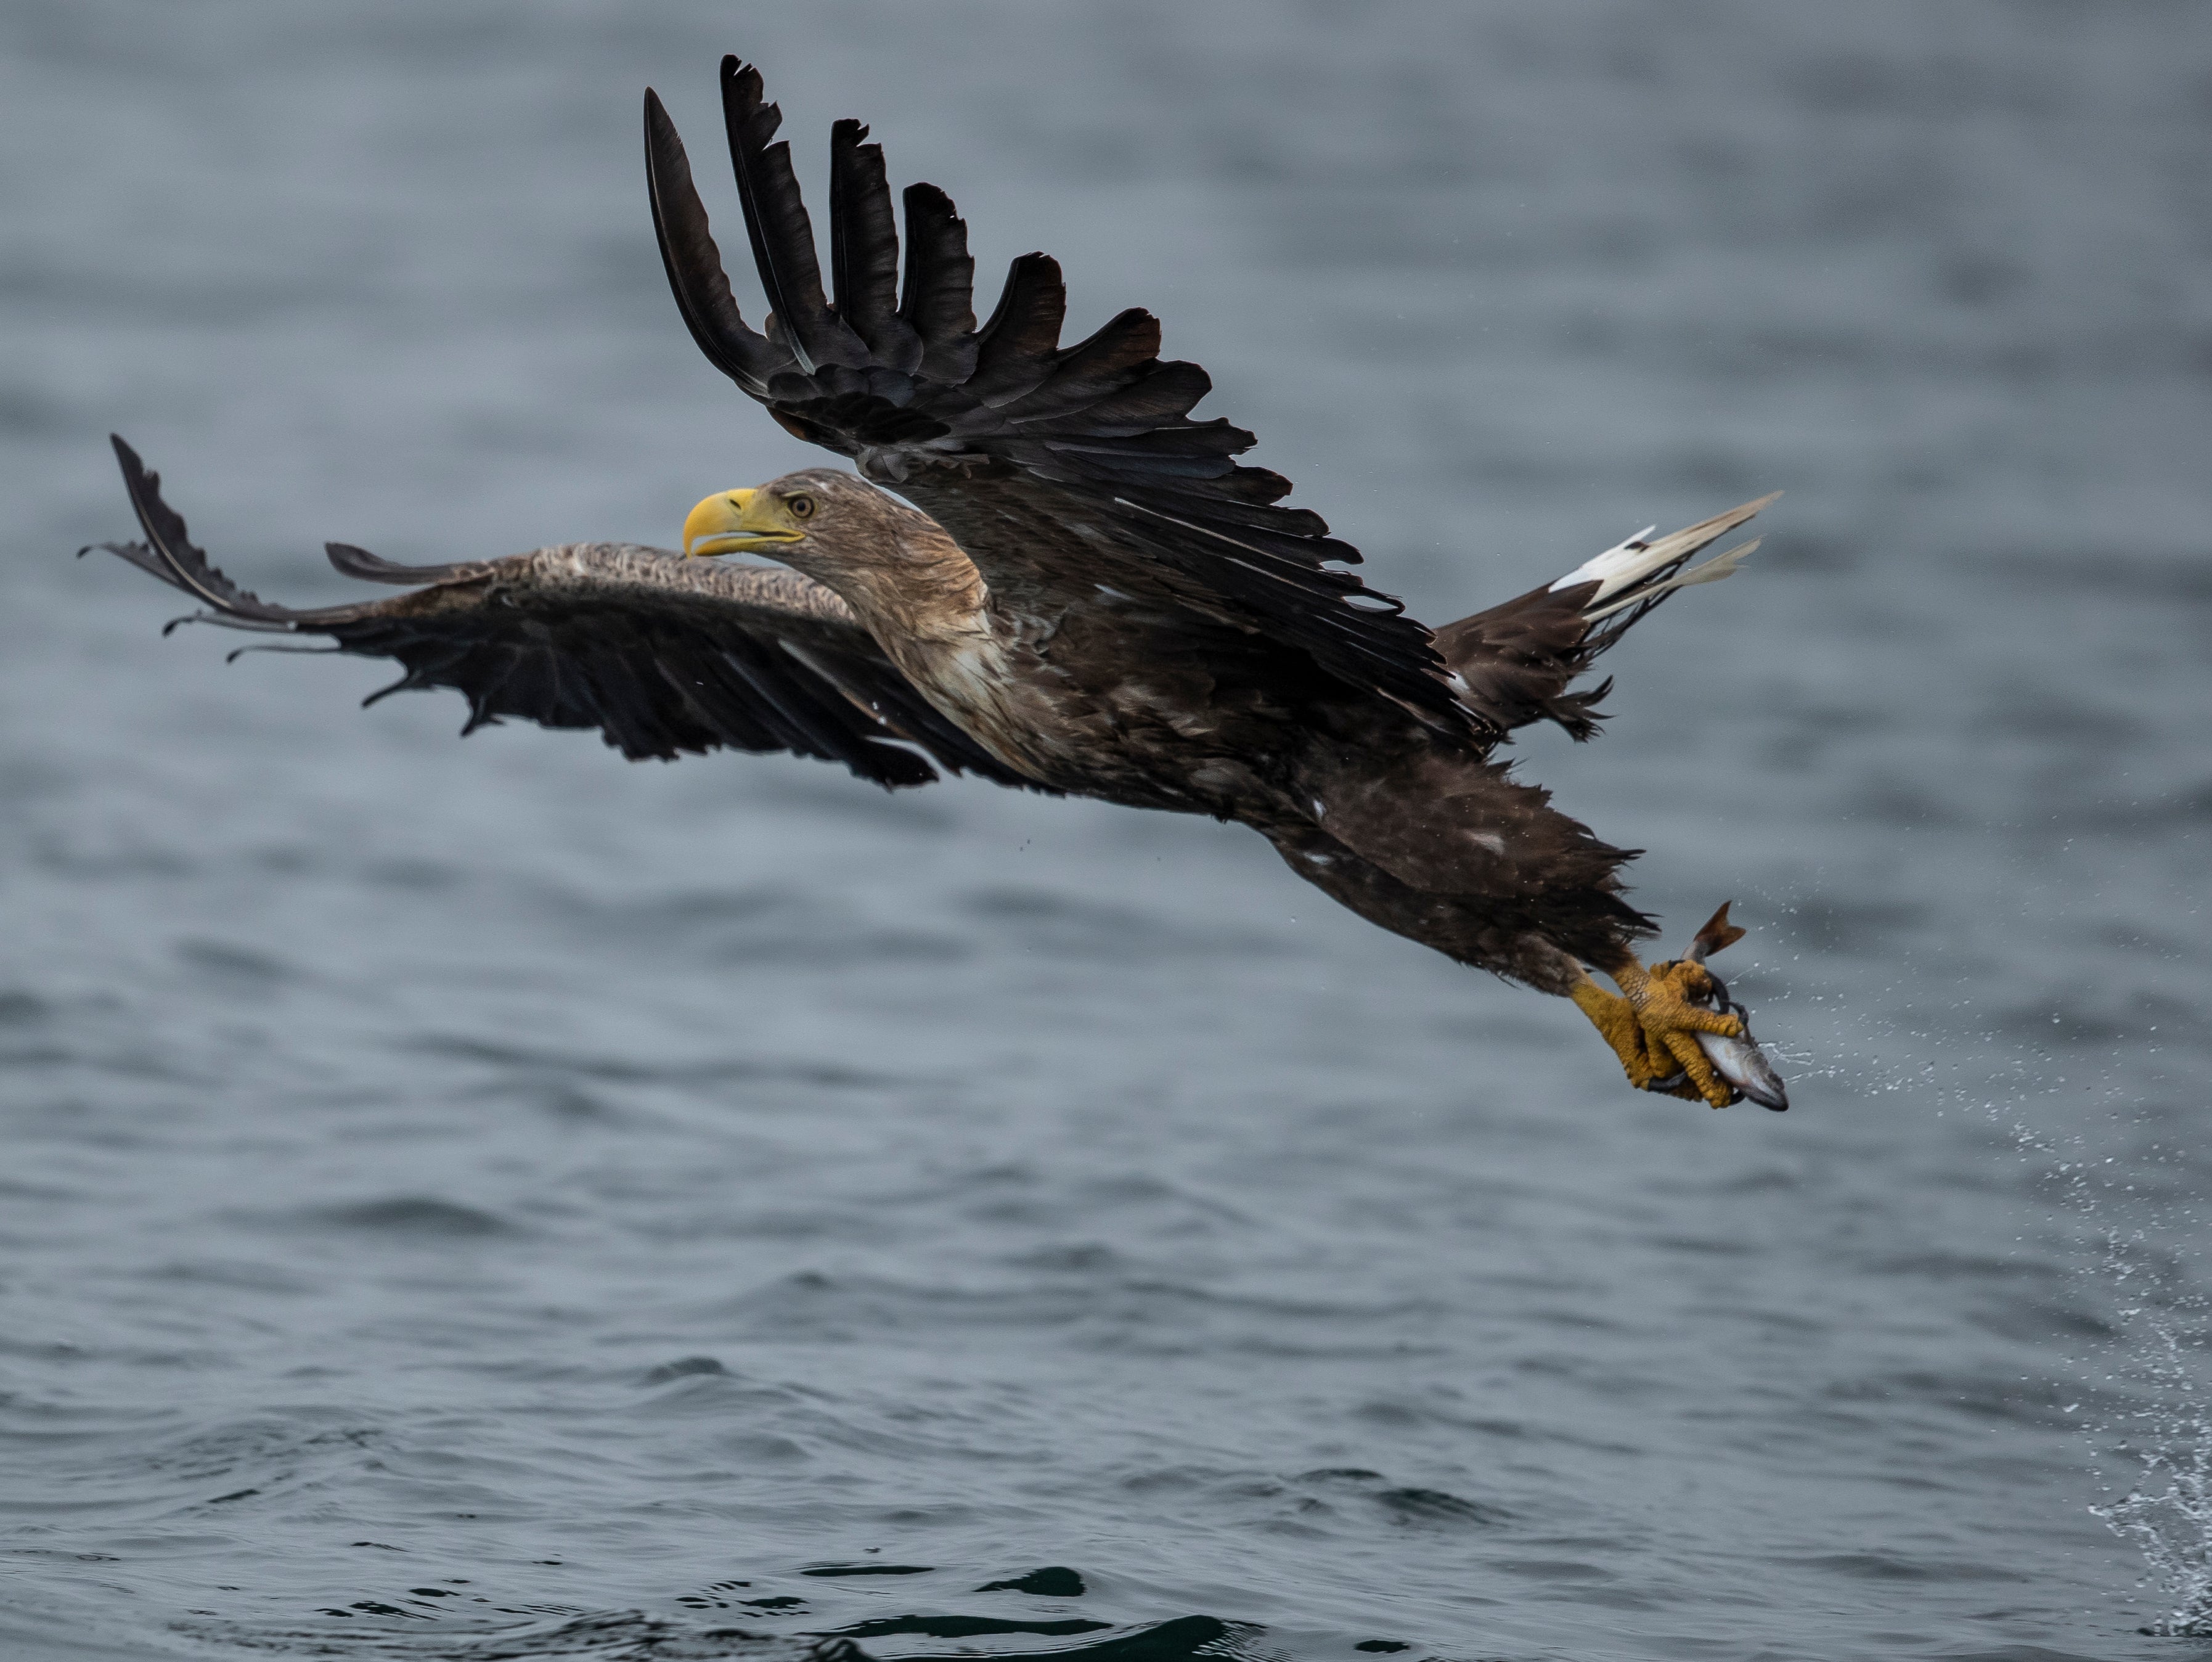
<point>972,675</point>
<point>973,683</point>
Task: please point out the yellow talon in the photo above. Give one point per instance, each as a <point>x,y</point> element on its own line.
<point>1652,1027</point>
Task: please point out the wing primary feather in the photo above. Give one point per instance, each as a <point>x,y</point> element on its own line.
<point>236,652</point>
<point>1081,378</point>
<point>1014,351</point>
<point>779,691</point>
<point>938,296</point>
<point>1383,603</point>
<point>624,713</point>
<point>775,219</point>
<point>694,263</point>
<point>444,655</point>
<point>353,562</point>
<point>138,555</point>
<point>187,567</point>
<point>385,692</point>
<point>684,666</point>
<point>500,672</point>
<point>864,248</point>
<point>715,672</point>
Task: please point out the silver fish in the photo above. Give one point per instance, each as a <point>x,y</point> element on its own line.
<point>1738,1060</point>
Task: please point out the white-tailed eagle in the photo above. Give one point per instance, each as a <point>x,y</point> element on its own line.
<point>1076,589</point>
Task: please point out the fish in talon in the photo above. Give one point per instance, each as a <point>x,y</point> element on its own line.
<point>1739,1059</point>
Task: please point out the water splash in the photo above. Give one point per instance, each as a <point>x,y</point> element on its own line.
<point>2152,1414</point>
<point>2146,1406</point>
<point>2167,1512</point>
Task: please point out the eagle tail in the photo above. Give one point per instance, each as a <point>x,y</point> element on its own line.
<point>1636,575</point>
<point>1515,661</point>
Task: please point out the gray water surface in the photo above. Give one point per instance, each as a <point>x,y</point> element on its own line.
<point>488,1200</point>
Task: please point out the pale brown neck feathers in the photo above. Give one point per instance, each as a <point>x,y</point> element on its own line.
<point>916,586</point>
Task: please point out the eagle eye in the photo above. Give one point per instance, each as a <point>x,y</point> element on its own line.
<point>802,507</point>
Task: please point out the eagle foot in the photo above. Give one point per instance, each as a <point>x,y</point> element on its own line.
<point>1652,1025</point>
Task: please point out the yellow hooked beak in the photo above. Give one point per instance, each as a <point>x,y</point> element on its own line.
<point>737,522</point>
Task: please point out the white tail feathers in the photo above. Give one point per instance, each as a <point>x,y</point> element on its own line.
<point>1637,559</point>
<point>1720,566</point>
<point>1622,563</point>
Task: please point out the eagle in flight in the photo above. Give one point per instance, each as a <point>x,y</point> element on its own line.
<point>1044,571</point>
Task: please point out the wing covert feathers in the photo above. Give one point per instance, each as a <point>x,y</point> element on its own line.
<point>1058,469</point>
<point>663,656</point>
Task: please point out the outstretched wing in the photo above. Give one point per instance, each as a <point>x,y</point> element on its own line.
<point>1058,469</point>
<point>663,656</point>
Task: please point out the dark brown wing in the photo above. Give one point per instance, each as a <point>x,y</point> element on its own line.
<point>1057,469</point>
<point>663,656</point>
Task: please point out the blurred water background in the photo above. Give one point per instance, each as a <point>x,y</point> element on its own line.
<point>488,1200</point>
